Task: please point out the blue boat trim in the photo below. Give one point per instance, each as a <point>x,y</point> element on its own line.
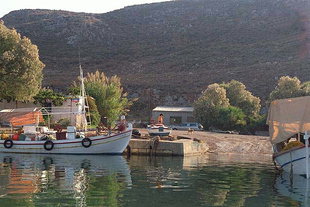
<point>292,161</point>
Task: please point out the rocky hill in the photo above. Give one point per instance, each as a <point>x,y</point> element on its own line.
<point>167,53</point>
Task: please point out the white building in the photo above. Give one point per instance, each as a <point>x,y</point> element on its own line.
<point>174,115</point>
<point>72,110</point>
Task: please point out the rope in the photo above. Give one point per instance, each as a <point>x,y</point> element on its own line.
<point>154,142</point>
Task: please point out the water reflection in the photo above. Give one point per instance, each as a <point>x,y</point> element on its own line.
<point>203,181</point>
<point>56,180</point>
<point>37,180</point>
<point>295,187</point>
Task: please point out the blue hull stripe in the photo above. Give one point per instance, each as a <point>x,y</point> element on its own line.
<point>292,161</point>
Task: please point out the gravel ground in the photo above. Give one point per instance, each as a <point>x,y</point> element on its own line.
<point>228,143</point>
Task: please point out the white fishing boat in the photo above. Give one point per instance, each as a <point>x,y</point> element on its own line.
<point>115,143</point>
<point>159,130</point>
<point>74,141</point>
<point>289,127</point>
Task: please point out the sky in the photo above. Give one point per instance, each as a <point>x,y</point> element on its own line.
<point>89,6</point>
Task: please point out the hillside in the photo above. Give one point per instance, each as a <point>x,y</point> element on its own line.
<point>174,48</point>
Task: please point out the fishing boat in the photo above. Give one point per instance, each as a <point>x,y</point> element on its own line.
<point>158,130</point>
<point>289,127</point>
<point>74,142</point>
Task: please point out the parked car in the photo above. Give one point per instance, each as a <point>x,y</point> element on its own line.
<point>186,126</point>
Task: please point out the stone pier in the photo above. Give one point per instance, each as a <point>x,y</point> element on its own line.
<point>181,147</point>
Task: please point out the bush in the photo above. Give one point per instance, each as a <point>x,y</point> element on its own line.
<point>64,122</point>
<point>257,123</point>
<point>230,118</point>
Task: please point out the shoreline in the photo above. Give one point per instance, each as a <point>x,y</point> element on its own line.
<point>225,145</point>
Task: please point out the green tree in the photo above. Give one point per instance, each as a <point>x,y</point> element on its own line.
<point>74,89</point>
<point>20,67</point>
<point>287,88</point>
<point>47,96</point>
<point>240,97</point>
<point>228,106</point>
<point>230,118</point>
<point>108,94</point>
<point>94,113</point>
<point>305,87</point>
<point>206,108</point>
<point>256,123</point>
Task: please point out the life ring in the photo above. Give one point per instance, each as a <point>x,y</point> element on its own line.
<point>8,143</point>
<point>48,145</point>
<point>86,142</point>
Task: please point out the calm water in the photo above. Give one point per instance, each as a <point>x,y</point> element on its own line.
<point>43,180</point>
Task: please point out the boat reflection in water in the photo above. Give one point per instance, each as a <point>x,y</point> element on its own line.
<point>294,186</point>
<point>69,180</point>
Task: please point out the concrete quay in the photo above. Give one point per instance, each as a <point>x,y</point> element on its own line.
<point>198,143</point>
<point>183,147</point>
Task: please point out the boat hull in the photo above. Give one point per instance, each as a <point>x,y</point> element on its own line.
<point>293,161</point>
<point>161,134</point>
<point>157,132</point>
<point>112,144</point>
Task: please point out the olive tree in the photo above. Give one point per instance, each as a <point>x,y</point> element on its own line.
<point>305,87</point>
<point>231,118</point>
<point>287,87</point>
<point>206,108</point>
<point>228,106</point>
<point>20,67</point>
<point>240,97</point>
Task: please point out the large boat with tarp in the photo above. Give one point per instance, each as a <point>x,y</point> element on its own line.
<point>289,129</point>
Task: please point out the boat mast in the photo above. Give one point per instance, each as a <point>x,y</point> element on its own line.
<point>82,89</point>
<point>85,106</point>
<point>83,96</point>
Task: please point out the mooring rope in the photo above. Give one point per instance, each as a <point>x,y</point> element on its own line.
<point>154,144</point>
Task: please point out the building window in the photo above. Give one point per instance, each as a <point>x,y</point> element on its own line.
<point>190,119</point>
<point>175,120</point>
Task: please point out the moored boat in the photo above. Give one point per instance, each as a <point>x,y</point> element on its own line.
<point>73,141</point>
<point>115,143</point>
<point>159,130</point>
<point>289,126</point>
